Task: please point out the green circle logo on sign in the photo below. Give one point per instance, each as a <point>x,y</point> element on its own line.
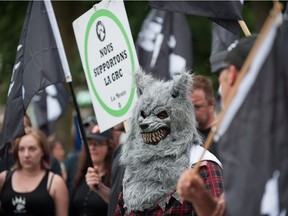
<point>101,67</point>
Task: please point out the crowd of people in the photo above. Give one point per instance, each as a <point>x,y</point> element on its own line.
<point>41,182</point>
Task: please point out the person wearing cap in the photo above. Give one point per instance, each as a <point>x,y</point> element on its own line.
<point>117,169</point>
<point>71,161</point>
<point>84,201</point>
<point>227,64</point>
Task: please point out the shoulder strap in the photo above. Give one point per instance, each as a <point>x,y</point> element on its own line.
<point>9,175</point>
<point>7,178</point>
<point>50,183</point>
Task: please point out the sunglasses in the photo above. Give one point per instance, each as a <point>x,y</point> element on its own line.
<point>96,142</point>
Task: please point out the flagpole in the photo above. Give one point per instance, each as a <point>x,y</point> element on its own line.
<point>264,31</point>
<point>244,27</point>
<point>82,132</point>
<point>68,76</point>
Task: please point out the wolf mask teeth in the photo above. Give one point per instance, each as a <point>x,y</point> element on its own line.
<point>153,138</point>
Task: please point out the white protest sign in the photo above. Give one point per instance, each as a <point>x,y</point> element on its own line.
<point>109,60</point>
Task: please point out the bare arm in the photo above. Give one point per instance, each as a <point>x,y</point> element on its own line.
<point>93,179</point>
<point>59,192</point>
<point>2,180</point>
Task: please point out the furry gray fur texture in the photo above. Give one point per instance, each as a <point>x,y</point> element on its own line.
<point>152,169</point>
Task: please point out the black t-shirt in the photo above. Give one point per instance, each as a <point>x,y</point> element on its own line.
<point>213,146</point>
<point>86,202</point>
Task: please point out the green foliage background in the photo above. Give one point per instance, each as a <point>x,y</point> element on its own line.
<point>13,14</point>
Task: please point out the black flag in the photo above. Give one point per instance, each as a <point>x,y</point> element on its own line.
<point>49,105</point>
<point>221,39</point>
<point>253,134</point>
<point>224,13</point>
<point>163,46</point>
<point>39,63</point>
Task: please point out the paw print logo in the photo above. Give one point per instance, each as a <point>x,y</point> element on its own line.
<point>19,203</point>
<point>100,31</point>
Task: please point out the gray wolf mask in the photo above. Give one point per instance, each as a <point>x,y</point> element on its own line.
<point>162,130</point>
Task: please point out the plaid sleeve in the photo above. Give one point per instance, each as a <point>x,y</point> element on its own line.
<point>211,173</point>
<point>120,210</point>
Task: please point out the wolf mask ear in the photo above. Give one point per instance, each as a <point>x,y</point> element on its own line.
<point>181,84</point>
<point>142,80</point>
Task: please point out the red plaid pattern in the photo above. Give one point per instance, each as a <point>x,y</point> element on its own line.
<point>211,173</point>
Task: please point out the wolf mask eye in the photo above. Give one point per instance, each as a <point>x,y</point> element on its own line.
<point>163,115</point>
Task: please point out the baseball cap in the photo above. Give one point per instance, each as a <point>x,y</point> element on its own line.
<point>104,136</point>
<point>89,123</point>
<point>235,54</point>
<point>218,61</point>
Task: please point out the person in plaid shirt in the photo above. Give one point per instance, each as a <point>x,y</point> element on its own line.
<point>211,174</point>
<point>163,142</point>
<point>191,187</point>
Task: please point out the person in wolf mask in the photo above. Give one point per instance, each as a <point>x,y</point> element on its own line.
<point>161,144</point>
